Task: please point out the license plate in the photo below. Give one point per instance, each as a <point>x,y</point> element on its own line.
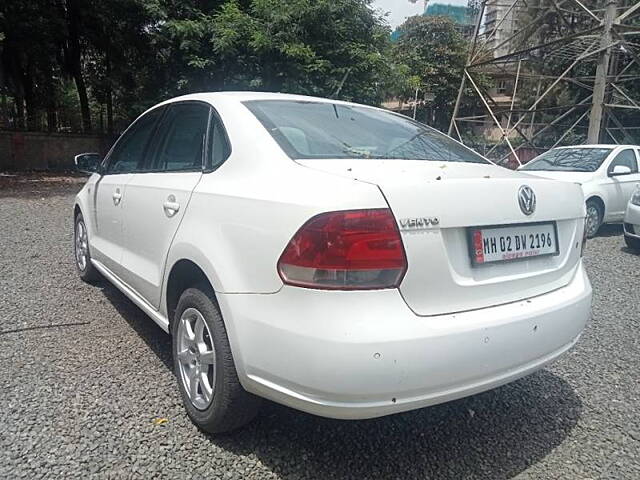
<point>512,242</point>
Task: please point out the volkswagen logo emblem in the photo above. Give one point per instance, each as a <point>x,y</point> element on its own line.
<point>527,200</point>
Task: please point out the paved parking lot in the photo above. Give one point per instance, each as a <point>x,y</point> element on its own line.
<point>85,378</point>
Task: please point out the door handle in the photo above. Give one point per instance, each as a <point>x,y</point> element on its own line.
<point>117,196</point>
<point>171,207</point>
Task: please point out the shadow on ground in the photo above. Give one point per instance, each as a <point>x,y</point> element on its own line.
<point>610,230</point>
<point>497,434</point>
<point>157,340</point>
<point>494,435</point>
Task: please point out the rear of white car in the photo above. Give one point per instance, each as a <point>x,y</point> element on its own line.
<point>446,328</point>
<point>434,319</point>
<point>362,264</point>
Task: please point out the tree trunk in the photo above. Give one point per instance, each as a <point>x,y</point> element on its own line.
<point>84,101</point>
<point>109,112</point>
<point>52,118</point>
<point>52,104</point>
<point>14,74</point>
<point>74,61</point>
<point>29,97</point>
<point>19,105</point>
<point>109,93</point>
<point>5,113</point>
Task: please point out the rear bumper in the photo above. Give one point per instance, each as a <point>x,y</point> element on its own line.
<point>356,355</point>
<point>632,221</point>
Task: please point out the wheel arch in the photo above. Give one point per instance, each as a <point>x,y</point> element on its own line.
<point>184,273</point>
<point>82,205</point>
<point>598,199</point>
<point>79,210</point>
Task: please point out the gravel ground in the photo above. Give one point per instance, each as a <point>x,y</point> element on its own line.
<point>86,378</point>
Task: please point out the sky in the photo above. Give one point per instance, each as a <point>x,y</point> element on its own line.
<point>401,9</point>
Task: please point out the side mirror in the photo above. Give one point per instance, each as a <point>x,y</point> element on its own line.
<point>87,162</point>
<point>619,170</point>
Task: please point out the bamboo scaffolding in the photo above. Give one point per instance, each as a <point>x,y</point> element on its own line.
<point>595,53</point>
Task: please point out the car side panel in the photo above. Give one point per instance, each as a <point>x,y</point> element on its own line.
<point>102,213</point>
<point>236,227</point>
<point>595,188</point>
<point>149,229</point>
<point>242,215</point>
<point>85,201</point>
<point>614,191</point>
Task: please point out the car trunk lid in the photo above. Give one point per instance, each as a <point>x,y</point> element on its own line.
<point>573,177</point>
<point>436,203</point>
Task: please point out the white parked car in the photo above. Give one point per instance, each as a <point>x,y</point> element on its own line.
<point>336,258</point>
<point>608,175</point>
<point>632,222</point>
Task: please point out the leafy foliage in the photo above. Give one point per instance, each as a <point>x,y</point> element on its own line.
<point>434,54</point>
<point>125,55</point>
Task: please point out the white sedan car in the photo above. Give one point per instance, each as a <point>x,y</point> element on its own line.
<point>608,175</point>
<point>336,258</point>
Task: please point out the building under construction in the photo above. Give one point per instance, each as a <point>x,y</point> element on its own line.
<point>548,73</point>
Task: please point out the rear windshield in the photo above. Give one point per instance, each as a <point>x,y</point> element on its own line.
<point>316,130</point>
<point>569,160</point>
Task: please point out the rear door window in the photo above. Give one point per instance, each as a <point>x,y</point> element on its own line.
<point>180,142</point>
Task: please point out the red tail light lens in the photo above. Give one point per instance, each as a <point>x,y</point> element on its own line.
<point>349,250</point>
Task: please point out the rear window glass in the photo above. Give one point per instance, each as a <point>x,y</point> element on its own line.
<point>319,130</point>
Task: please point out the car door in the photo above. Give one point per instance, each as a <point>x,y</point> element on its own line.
<point>621,187</point>
<point>109,191</point>
<point>157,197</point>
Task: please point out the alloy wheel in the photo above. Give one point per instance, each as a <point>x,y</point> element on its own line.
<point>196,358</point>
<point>593,220</point>
<point>81,246</point>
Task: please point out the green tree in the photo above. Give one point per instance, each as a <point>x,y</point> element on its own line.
<point>121,56</point>
<point>113,44</point>
<point>302,46</point>
<point>434,51</point>
<point>31,46</point>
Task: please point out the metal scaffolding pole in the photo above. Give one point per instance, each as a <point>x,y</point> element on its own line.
<point>464,76</point>
<point>600,83</point>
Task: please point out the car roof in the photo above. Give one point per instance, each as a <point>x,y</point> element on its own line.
<point>247,96</point>
<point>598,145</point>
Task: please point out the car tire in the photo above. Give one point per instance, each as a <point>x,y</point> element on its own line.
<point>82,253</point>
<point>594,218</point>
<point>211,392</point>
<point>632,243</point>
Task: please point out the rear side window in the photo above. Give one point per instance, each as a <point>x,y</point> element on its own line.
<point>219,148</point>
<point>180,140</point>
<point>321,130</point>
<point>128,153</point>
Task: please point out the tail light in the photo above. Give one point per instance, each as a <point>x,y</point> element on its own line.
<point>584,237</point>
<point>348,250</point>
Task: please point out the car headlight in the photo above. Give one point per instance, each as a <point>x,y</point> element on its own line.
<point>635,198</point>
